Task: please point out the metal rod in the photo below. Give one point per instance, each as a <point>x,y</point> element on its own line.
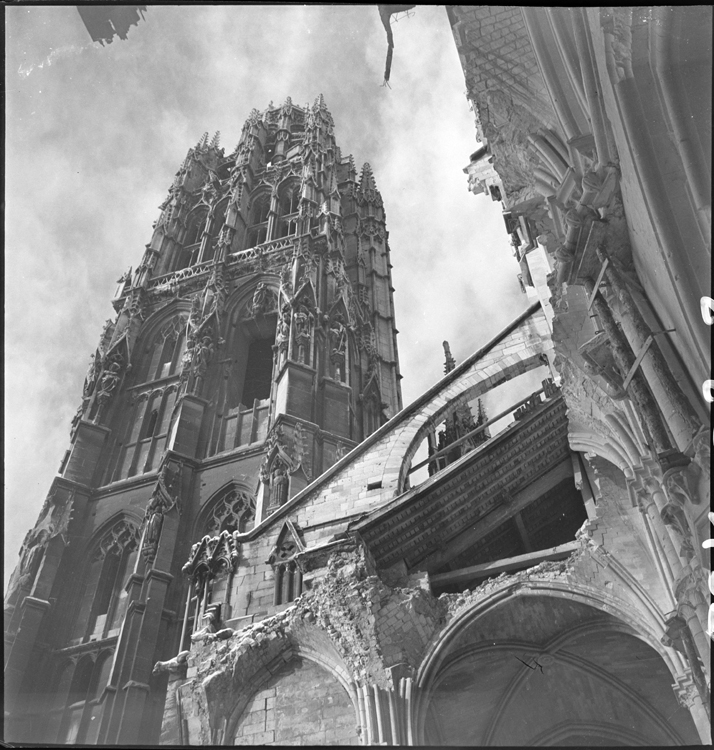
<point>476,431</point>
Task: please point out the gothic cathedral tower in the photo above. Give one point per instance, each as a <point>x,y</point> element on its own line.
<point>254,346</point>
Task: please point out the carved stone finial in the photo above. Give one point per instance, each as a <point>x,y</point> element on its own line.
<point>450,361</point>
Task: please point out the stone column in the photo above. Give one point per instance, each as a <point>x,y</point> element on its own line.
<point>689,698</point>
<point>132,620</point>
<point>675,403</point>
<point>385,713</point>
<point>637,390</point>
<point>656,533</point>
<point>677,547</point>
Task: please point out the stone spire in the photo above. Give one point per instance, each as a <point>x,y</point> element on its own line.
<point>366,179</point>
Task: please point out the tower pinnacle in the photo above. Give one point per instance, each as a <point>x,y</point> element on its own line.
<point>450,362</point>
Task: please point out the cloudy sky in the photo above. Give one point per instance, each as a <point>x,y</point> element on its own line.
<point>95,134</point>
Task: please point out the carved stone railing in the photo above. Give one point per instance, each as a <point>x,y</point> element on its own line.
<point>262,250</point>
<point>177,276</point>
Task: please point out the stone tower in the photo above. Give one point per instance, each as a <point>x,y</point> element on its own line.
<point>254,346</point>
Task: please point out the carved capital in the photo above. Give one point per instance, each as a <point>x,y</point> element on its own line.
<point>685,690</point>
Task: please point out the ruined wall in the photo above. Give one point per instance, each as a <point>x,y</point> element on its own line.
<point>302,705</point>
<point>301,675</point>
<point>505,87</point>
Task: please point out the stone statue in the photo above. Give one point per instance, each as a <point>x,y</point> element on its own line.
<point>108,383</point>
<point>303,331</point>
<point>162,501</point>
<point>261,300</point>
<point>338,342</point>
<point>279,485</point>
<point>202,355</point>
<point>90,379</point>
<point>282,336</point>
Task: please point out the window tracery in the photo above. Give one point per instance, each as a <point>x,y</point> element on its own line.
<point>234,511</point>
<point>104,597</point>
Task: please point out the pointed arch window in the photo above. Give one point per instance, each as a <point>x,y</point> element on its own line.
<point>195,227</point>
<point>147,432</point>
<point>217,221</point>
<point>163,355</point>
<point>258,223</point>
<point>288,204</point>
<point>103,597</point>
<point>234,510</point>
<point>241,412</point>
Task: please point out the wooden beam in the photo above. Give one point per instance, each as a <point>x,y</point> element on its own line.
<point>501,566</point>
<point>598,282</point>
<point>636,363</point>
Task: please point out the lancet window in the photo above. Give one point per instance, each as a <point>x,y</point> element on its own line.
<point>288,576</point>
<point>103,598</point>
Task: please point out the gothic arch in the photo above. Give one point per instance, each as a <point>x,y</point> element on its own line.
<point>311,647</point>
<point>239,301</point>
<point>99,601</point>
<point>245,371</point>
<point>615,616</point>
<point>231,505</point>
<point>159,323</point>
<point>195,224</point>
<point>122,525</point>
